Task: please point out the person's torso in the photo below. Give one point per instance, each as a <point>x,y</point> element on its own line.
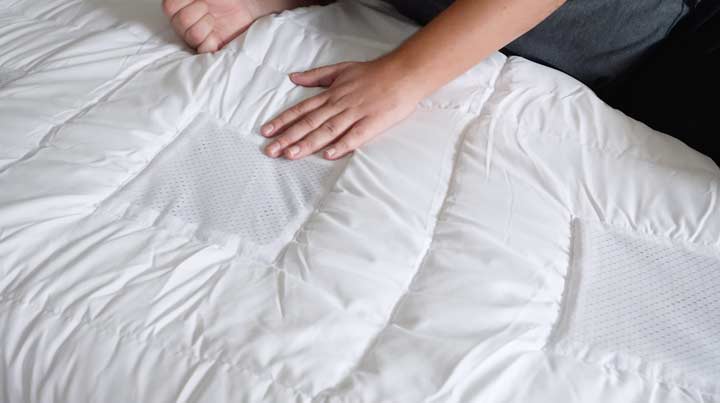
<point>595,41</point>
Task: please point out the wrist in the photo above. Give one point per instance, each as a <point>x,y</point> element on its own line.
<point>415,80</point>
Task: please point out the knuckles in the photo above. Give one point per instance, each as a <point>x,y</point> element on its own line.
<point>306,147</point>
<point>308,121</point>
<point>330,127</point>
<point>194,35</point>
<point>184,19</point>
<point>191,14</point>
<point>298,109</point>
<point>168,7</point>
<point>283,142</point>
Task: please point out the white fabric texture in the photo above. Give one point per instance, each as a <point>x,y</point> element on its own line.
<point>150,253</point>
<point>216,177</point>
<point>643,306</point>
<point>7,75</point>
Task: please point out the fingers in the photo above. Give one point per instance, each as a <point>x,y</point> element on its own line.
<point>210,44</point>
<point>320,137</point>
<point>200,31</point>
<point>171,7</point>
<point>304,125</point>
<point>332,119</point>
<point>360,133</point>
<point>191,20</point>
<point>188,16</point>
<point>285,119</point>
<point>319,77</point>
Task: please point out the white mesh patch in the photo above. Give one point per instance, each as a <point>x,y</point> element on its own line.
<point>219,179</point>
<point>8,75</point>
<point>642,305</point>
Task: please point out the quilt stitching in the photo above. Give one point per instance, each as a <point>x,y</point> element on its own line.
<point>46,139</point>
<point>554,343</point>
<point>620,372</point>
<point>712,248</point>
<point>73,27</point>
<point>14,297</point>
<point>179,130</point>
<point>427,104</point>
<point>248,128</point>
<point>570,274</point>
<point>319,206</point>
<point>457,146</point>
<point>552,137</point>
<point>321,33</point>
<point>568,291</point>
<point>180,349</point>
<point>318,210</point>
<point>202,242</point>
<point>150,341</point>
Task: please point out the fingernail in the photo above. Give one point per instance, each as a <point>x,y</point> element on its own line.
<point>273,149</point>
<point>266,130</point>
<point>329,153</point>
<point>292,151</point>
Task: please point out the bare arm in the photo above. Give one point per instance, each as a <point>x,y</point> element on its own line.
<point>465,34</point>
<point>363,99</point>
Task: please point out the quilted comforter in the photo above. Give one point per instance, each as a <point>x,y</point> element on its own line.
<point>515,240</point>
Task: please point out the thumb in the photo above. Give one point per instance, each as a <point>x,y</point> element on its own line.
<point>319,77</point>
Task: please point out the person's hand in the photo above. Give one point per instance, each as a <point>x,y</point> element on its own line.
<point>361,101</point>
<point>207,25</point>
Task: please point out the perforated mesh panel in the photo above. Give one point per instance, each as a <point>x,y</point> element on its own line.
<point>657,302</point>
<point>216,177</point>
<point>8,75</point>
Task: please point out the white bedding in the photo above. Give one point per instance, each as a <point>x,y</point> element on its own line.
<point>516,240</point>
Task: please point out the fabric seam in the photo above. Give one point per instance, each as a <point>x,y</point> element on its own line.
<point>441,209</point>
<point>569,295</point>
<point>46,139</point>
<point>102,328</point>
<point>568,348</point>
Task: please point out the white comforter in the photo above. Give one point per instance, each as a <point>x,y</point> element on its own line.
<point>516,240</point>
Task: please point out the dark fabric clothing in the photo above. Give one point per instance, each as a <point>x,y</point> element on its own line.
<point>595,41</point>
<point>656,60</point>
<point>676,89</point>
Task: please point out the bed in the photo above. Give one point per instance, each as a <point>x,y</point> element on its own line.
<point>515,240</point>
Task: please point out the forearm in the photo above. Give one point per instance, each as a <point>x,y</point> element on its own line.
<point>462,36</point>
<point>363,99</point>
<point>260,8</point>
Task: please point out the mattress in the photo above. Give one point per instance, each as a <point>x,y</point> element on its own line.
<point>515,240</point>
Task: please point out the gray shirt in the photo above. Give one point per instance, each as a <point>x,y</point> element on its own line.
<point>595,41</point>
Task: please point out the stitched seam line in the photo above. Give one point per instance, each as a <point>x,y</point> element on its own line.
<point>552,136</point>
<point>557,343</point>
<point>427,104</point>
<point>693,246</point>
<point>568,350</point>
<point>457,146</point>
<point>569,294</point>
<point>69,27</point>
<point>50,134</point>
<point>150,341</point>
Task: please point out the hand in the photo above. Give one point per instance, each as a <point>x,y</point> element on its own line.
<point>207,25</point>
<point>361,101</point>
